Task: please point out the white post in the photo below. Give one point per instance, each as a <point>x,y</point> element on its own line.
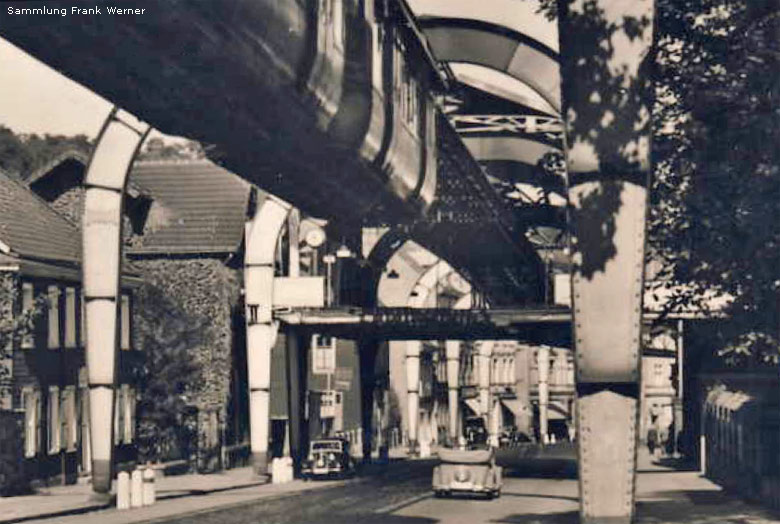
<point>485,356</point>
<point>413,349</point>
<point>452,348</point>
<point>136,489</point>
<point>149,495</point>
<point>104,184</point>
<point>261,235</point>
<point>123,490</point>
<point>543,363</point>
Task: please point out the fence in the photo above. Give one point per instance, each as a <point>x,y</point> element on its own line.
<point>741,443</point>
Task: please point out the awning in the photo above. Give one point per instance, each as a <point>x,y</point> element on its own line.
<point>515,406</point>
<point>473,405</point>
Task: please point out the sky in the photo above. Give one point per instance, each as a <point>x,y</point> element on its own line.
<point>35,98</point>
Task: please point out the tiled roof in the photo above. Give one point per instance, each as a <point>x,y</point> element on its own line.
<point>72,155</point>
<point>199,207</point>
<point>31,228</point>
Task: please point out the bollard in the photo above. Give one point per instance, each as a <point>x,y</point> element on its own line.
<point>123,490</point>
<point>281,470</point>
<point>136,489</point>
<point>149,495</point>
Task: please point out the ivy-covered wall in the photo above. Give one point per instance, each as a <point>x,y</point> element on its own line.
<point>192,298</point>
<point>8,328</point>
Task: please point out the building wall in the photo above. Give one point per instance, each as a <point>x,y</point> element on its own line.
<point>49,382</point>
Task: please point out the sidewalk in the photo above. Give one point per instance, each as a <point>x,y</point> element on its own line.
<point>176,494</point>
<point>669,495</point>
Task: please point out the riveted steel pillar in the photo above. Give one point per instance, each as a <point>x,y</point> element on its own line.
<point>485,356</point>
<point>296,351</point>
<point>261,239</point>
<point>104,184</point>
<point>523,418</point>
<point>606,93</point>
<point>452,351</point>
<point>413,350</point>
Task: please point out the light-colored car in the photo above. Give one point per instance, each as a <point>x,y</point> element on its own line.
<point>467,471</point>
<point>328,458</point>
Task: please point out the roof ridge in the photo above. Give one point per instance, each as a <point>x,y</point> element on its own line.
<point>71,153</point>
<point>42,202</point>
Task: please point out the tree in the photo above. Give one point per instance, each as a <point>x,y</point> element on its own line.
<point>716,196</point>
<point>167,336</point>
<point>14,327</point>
<point>159,149</point>
<point>21,155</point>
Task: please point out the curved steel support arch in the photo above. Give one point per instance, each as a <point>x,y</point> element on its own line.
<point>490,46</point>
<point>117,145</point>
<point>519,17</point>
<point>261,236</point>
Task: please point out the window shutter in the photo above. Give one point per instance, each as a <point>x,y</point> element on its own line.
<point>54,317</point>
<point>30,426</point>
<point>53,424</point>
<point>28,298</point>
<point>83,319</point>
<point>117,418</point>
<point>124,322</point>
<point>70,317</point>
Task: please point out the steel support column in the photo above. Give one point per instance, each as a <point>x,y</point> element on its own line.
<point>485,356</point>
<point>117,145</point>
<point>413,350</point>
<point>261,238</point>
<point>543,365</point>
<point>296,349</point>
<point>606,99</point>
<point>523,418</point>
<point>367,349</point>
<point>452,349</point>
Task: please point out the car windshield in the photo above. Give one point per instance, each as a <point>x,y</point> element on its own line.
<point>326,446</point>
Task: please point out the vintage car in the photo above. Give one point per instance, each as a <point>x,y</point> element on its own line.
<point>467,471</point>
<point>328,458</point>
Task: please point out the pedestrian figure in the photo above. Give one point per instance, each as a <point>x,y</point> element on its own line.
<point>652,440</point>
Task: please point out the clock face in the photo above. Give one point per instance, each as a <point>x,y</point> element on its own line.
<point>315,237</point>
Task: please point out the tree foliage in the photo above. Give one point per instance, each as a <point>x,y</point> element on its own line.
<point>716,197</point>
<point>22,154</point>
<point>167,336</point>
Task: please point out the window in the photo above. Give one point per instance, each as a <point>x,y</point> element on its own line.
<point>69,437</point>
<point>28,300</point>
<point>324,354</point>
<point>53,426</point>
<point>124,323</point>
<point>31,404</point>
<point>70,317</point>
<point>54,317</point>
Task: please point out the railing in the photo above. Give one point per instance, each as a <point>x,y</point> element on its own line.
<point>741,444</point>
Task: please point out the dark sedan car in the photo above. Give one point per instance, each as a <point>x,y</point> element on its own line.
<point>328,458</point>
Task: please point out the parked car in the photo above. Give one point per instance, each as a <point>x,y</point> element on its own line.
<point>467,471</point>
<point>328,458</point>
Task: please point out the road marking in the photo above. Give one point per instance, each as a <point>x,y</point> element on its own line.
<point>407,502</point>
